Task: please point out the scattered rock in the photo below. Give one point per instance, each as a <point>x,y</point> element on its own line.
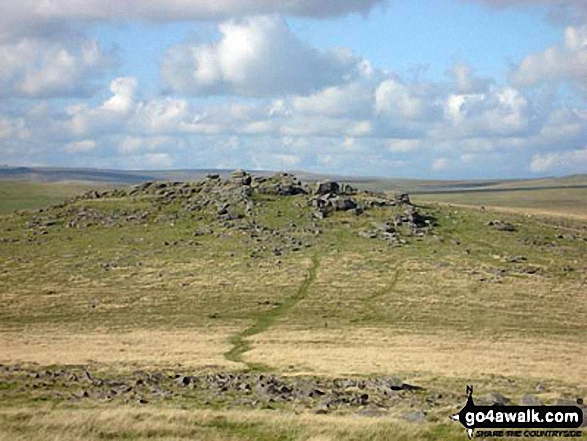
<point>530,400</point>
<point>497,399</point>
<point>416,416</point>
<point>327,187</point>
<point>501,226</point>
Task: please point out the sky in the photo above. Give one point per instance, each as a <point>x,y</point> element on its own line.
<point>442,89</point>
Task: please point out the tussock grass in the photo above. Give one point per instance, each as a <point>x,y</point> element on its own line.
<point>177,424</point>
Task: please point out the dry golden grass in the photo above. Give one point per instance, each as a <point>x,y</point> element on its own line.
<point>198,347</point>
<point>376,350</point>
<point>560,202</point>
<point>203,425</point>
<point>577,213</point>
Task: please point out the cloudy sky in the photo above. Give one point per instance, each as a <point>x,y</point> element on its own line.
<point>402,88</point>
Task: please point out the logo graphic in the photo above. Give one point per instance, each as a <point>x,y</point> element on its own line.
<point>516,417</point>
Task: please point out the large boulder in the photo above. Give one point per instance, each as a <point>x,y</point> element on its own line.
<point>404,198</point>
<point>325,187</point>
<point>343,204</point>
<point>283,184</point>
<point>241,177</point>
<point>347,189</point>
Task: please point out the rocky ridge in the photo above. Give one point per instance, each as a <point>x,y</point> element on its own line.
<point>234,204</point>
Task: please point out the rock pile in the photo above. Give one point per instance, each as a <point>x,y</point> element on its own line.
<point>416,224</point>
<point>257,390</point>
<point>329,196</point>
<point>232,205</point>
<point>365,396</point>
<point>501,225</point>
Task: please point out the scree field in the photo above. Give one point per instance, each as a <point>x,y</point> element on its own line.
<point>266,309</point>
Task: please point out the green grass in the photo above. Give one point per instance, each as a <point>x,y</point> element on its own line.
<point>561,201</point>
<point>132,275</point>
<point>464,278</point>
<point>265,320</point>
<point>26,195</point>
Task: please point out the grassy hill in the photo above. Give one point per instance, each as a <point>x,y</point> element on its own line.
<point>246,309</point>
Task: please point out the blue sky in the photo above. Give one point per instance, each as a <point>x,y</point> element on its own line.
<point>438,89</point>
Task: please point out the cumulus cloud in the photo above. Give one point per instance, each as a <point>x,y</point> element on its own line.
<point>108,116</point>
<point>567,61</point>
<point>259,56</point>
<point>397,100</point>
<point>160,115</point>
<point>466,80</point>
<point>574,161</point>
<point>375,124</point>
<point>355,99</point>
<point>41,69</point>
<point>503,111</point>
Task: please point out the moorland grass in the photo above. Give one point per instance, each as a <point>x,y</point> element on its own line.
<point>465,303</point>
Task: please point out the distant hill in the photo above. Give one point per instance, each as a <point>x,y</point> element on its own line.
<point>129,177</point>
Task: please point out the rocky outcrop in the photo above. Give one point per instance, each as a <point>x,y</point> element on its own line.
<point>231,205</point>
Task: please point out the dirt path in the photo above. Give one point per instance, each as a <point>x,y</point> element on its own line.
<point>265,320</point>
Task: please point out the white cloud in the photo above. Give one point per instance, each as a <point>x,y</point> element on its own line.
<point>123,90</point>
<point>402,145</point>
<point>256,57</point>
<point>15,128</point>
<point>574,161</point>
<point>354,99</point>
<point>440,164</point>
<point>374,124</point>
<point>466,80</point>
<point>561,62</point>
<point>503,111</point>
<point>86,145</point>
<point>134,144</point>
<point>467,158</point>
<point>395,99</point>
<point>111,114</point>
<point>160,115</point>
<point>41,69</point>
<point>163,160</point>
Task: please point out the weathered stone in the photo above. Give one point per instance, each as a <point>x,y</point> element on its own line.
<point>416,416</point>
<point>505,226</point>
<point>530,400</point>
<point>347,189</point>
<point>343,204</point>
<point>325,187</point>
<point>498,399</point>
<point>404,198</point>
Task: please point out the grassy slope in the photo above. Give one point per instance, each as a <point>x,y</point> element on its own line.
<point>25,195</point>
<point>559,201</point>
<point>73,285</point>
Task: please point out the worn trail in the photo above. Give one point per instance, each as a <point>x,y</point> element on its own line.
<point>264,321</point>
